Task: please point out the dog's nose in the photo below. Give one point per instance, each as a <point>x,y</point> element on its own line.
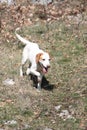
<point>48,66</point>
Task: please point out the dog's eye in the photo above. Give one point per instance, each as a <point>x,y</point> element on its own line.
<point>43,59</point>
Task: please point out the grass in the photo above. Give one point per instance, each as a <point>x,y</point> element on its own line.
<point>22,102</point>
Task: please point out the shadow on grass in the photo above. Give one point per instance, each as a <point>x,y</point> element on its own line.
<point>45,83</point>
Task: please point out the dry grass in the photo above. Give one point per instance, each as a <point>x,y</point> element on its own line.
<point>67,81</point>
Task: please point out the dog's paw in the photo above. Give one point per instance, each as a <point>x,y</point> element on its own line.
<point>38,74</point>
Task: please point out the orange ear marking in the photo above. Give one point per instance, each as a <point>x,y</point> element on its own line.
<point>38,57</point>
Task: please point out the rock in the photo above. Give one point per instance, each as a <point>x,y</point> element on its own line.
<point>47,128</point>
<point>8,82</point>
<point>26,126</point>
<point>42,2</point>
<point>3,1</point>
<point>9,2</point>
<point>11,122</point>
<point>58,107</point>
<point>65,115</point>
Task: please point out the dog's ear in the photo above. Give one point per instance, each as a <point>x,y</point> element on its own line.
<point>38,57</point>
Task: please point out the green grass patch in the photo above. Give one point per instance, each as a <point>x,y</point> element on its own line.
<point>66,75</point>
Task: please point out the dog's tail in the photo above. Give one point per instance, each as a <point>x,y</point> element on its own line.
<point>24,41</point>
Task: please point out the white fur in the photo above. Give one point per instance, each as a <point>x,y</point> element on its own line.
<point>30,51</point>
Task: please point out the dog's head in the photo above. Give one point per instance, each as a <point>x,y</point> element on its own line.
<point>44,60</point>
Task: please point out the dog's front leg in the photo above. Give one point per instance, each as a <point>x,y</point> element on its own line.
<point>39,82</point>
<point>39,77</point>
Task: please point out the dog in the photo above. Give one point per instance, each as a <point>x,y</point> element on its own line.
<point>39,60</point>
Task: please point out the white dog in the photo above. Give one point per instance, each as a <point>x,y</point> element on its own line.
<point>39,60</point>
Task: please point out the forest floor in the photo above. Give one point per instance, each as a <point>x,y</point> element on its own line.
<point>61,29</point>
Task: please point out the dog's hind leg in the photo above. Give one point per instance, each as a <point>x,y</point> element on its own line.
<point>21,71</point>
<point>24,59</point>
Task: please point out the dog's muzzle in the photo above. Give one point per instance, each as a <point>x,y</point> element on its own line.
<point>43,68</point>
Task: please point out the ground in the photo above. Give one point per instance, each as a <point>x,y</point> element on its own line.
<point>62,102</point>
